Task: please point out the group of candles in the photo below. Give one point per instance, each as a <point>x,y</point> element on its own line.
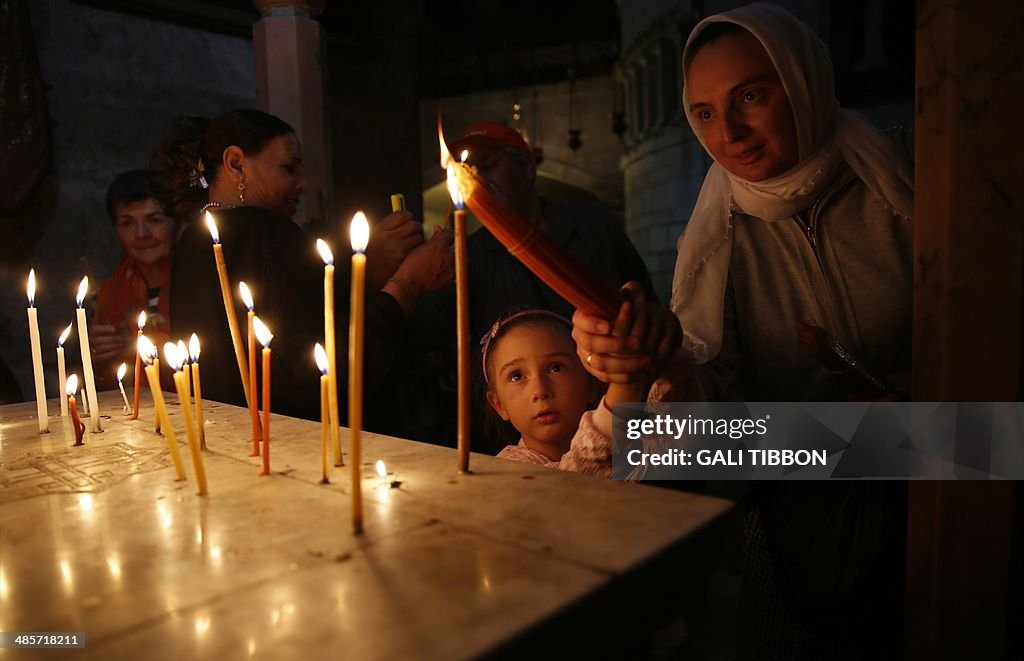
<point>69,385</point>
<point>325,357</point>
<point>461,183</point>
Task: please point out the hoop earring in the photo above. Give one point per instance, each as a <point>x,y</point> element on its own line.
<point>241,192</point>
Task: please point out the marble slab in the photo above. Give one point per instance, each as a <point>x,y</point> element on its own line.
<point>102,539</point>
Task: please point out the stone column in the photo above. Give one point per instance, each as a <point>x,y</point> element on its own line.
<point>962,547</point>
<point>290,84</point>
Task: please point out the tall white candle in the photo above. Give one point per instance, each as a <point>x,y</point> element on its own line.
<point>62,371</point>
<point>83,339</point>
<point>37,354</point>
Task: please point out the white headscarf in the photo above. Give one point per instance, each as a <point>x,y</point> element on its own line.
<point>827,135</point>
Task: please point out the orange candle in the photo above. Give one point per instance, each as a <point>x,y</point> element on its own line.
<point>149,355</point>
<point>331,352</point>
<point>265,336</point>
<point>138,368</point>
<point>61,369</point>
<point>193,353</point>
<point>176,361</point>
<point>254,414</point>
<point>359,232</point>
<point>325,410</point>
<point>462,325</point>
<point>156,370</point>
<point>76,422</point>
<point>229,307</point>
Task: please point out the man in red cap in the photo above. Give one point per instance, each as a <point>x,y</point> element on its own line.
<point>498,282</point>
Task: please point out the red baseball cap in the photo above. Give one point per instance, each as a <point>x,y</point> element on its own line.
<point>490,135</point>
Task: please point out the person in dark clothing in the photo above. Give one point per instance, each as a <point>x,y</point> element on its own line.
<point>498,282</point>
<point>245,168</point>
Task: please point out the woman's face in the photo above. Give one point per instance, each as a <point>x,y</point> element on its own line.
<point>741,109</point>
<point>273,177</point>
<point>144,231</point>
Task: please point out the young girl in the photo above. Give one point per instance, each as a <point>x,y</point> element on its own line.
<point>537,382</point>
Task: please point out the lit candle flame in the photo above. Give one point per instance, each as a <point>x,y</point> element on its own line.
<point>263,333</point>
<point>446,155</point>
<point>243,291</point>
<point>359,232</point>
<point>121,371</point>
<point>382,470</point>
<point>64,336</point>
<point>212,226</point>
<point>72,385</point>
<point>172,356</point>
<point>142,320</point>
<point>453,188</point>
<point>31,288</point>
<point>193,348</point>
<point>321,358</point>
<point>182,352</point>
<point>146,349</point>
<point>325,251</point>
<point>83,287</point>
<point>464,155</point>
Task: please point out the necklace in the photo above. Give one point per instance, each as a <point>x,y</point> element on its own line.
<point>217,205</point>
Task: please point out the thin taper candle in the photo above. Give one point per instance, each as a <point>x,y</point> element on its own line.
<point>330,348</point>
<point>148,352</point>
<point>229,306</point>
<point>265,336</point>
<point>138,368</point>
<point>37,355</point>
<point>325,410</point>
<point>62,370</point>
<point>83,339</point>
<point>462,325</point>
<point>174,358</point>
<point>359,232</point>
<point>193,353</point>
<point>254,413</point>
<point>76,422</point>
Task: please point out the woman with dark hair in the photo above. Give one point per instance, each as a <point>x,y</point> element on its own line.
<point>245,168</point>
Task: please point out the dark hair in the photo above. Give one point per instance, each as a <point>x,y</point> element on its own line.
<point>193,153</point>
<point>130,186</point>
<point>515,319</point>
<point>711,33</point>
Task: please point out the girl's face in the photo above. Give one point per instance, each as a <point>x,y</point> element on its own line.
<point>539,385</point>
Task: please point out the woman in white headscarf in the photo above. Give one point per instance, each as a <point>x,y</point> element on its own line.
<point>805,216</point>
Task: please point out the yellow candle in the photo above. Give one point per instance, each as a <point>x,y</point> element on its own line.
<point>138,369</point>
<point>462,317</point>
<point>193,353</point>
<point>229,307</point>
<point>83,339</point>
<point>61,370</point>
<point>360,234</point>
<point>148,353</point>
<point>265,336</point>
<point>176,362</point>
<point>37,355</point>
<point>325,411</point>
<point>156,370</point>
<point>183,354</point>
<point>332,356</point>
<point>397,202</point>
<point>254,414</point>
